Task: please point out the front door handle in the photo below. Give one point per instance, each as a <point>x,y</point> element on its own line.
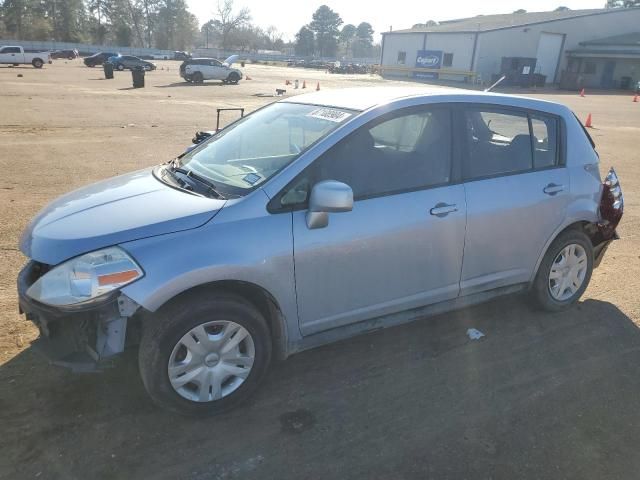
<point>443,209</point>
<point>552,189</point>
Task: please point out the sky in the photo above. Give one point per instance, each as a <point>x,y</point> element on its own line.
<point>289,16</point>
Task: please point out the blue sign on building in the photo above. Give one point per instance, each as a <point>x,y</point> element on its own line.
<point>428,59</point>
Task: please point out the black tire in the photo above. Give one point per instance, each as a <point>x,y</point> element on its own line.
<point>37,63</point>
<point>70,57</point>
<point>233,78</point>
<point>541,286</point>
<point>165,329</point>
<point>197,77</point>
<point>120,67</point>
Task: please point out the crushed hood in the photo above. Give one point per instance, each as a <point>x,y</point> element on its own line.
<point>121,209</point>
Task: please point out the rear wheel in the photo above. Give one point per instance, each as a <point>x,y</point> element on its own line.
<point>70,57</point>
<point>197,77</point>
<point>204,354</point>
<point>120,67</point>
<point>37,63</point>
<point>564,272</point>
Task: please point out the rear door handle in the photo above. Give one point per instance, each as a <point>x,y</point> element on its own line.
<point>552,189</point>
<point>443,209</point>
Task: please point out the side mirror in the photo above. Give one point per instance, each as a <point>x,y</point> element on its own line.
<point>327,197</point>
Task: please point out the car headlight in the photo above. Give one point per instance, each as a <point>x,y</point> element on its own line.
<point>86,277</point>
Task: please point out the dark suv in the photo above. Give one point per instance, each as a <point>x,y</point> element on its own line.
<point>98,58</point>
<point>68,54</point>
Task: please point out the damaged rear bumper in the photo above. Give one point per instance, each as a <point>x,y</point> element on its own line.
<point>83,338</point>
<point>600,249</point>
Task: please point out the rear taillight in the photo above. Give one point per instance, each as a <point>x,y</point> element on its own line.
<point>611,205</point>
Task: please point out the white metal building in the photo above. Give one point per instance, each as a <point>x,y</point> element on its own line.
<point>478,47</point>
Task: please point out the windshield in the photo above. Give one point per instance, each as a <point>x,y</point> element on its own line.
<point>247,153</point>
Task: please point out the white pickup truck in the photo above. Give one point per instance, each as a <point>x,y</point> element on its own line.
<point>16,56</point>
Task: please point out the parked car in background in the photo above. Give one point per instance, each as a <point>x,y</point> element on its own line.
<point>68,54</point>
<point>129,62</point>
<point>98,58</point>
<point>197,70</point>
<point>15,55</point>
<point>183,56</point>
<point>389,204</point>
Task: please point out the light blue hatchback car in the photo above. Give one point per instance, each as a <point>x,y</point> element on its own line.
<point>313,219</point>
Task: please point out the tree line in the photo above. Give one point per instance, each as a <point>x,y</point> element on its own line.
<point>325,37</point>
<point>164,24</point>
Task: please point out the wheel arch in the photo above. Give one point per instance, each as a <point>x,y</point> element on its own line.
<point>589,228</point>
<point>258,296</point>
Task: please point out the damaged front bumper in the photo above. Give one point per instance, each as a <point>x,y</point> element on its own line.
<point>83,338</point>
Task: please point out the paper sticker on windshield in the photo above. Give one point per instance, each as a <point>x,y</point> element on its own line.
<point>330,114</point>
<point>251,178</point>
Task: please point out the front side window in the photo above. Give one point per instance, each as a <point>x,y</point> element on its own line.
<point>447,60</point>
<point>408,151</point>
<point>402,58</point>
<point>248,152</point>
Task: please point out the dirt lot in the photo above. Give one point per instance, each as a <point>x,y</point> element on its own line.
<point>541,396</point>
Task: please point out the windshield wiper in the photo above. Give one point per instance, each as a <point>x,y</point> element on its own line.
<point>210,187</point>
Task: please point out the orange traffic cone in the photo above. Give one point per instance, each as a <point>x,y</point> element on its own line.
<point>588,122</point>
<point>304,84</point>
<point>582,92</point>
<point>635,98</point>
<point>318,87</point>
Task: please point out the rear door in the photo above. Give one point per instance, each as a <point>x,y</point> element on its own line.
<point>401,246</point>
<point>516,190</point>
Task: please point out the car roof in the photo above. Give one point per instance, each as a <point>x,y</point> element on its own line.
<point>363,98</point>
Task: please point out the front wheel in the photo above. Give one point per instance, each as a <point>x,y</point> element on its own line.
<point>233,78</point>
<point>564,272</point>
<point>120,67</point>
<point>37,63</point>
<point>204,354</point>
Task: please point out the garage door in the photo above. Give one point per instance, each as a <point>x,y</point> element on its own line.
<point>549,48</point>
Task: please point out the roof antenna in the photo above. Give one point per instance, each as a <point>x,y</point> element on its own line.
<point>495,84</point>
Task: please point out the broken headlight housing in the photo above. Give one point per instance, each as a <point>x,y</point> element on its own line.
<point>86,277</point>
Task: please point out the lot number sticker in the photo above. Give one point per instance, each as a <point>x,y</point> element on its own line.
<point>330,114</point>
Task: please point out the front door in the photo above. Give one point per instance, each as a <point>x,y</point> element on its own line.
<point>401,246</point>
<point>606,80</point>
<point>516,190</point>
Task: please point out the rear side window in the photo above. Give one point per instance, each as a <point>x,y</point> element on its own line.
<point>545,141</point>
<point>496,143</point>
<point>11,50</point>
<point>501,142</point>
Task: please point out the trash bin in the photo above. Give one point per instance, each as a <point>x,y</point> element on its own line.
<point>108,70</point>
<point>137,74</point>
